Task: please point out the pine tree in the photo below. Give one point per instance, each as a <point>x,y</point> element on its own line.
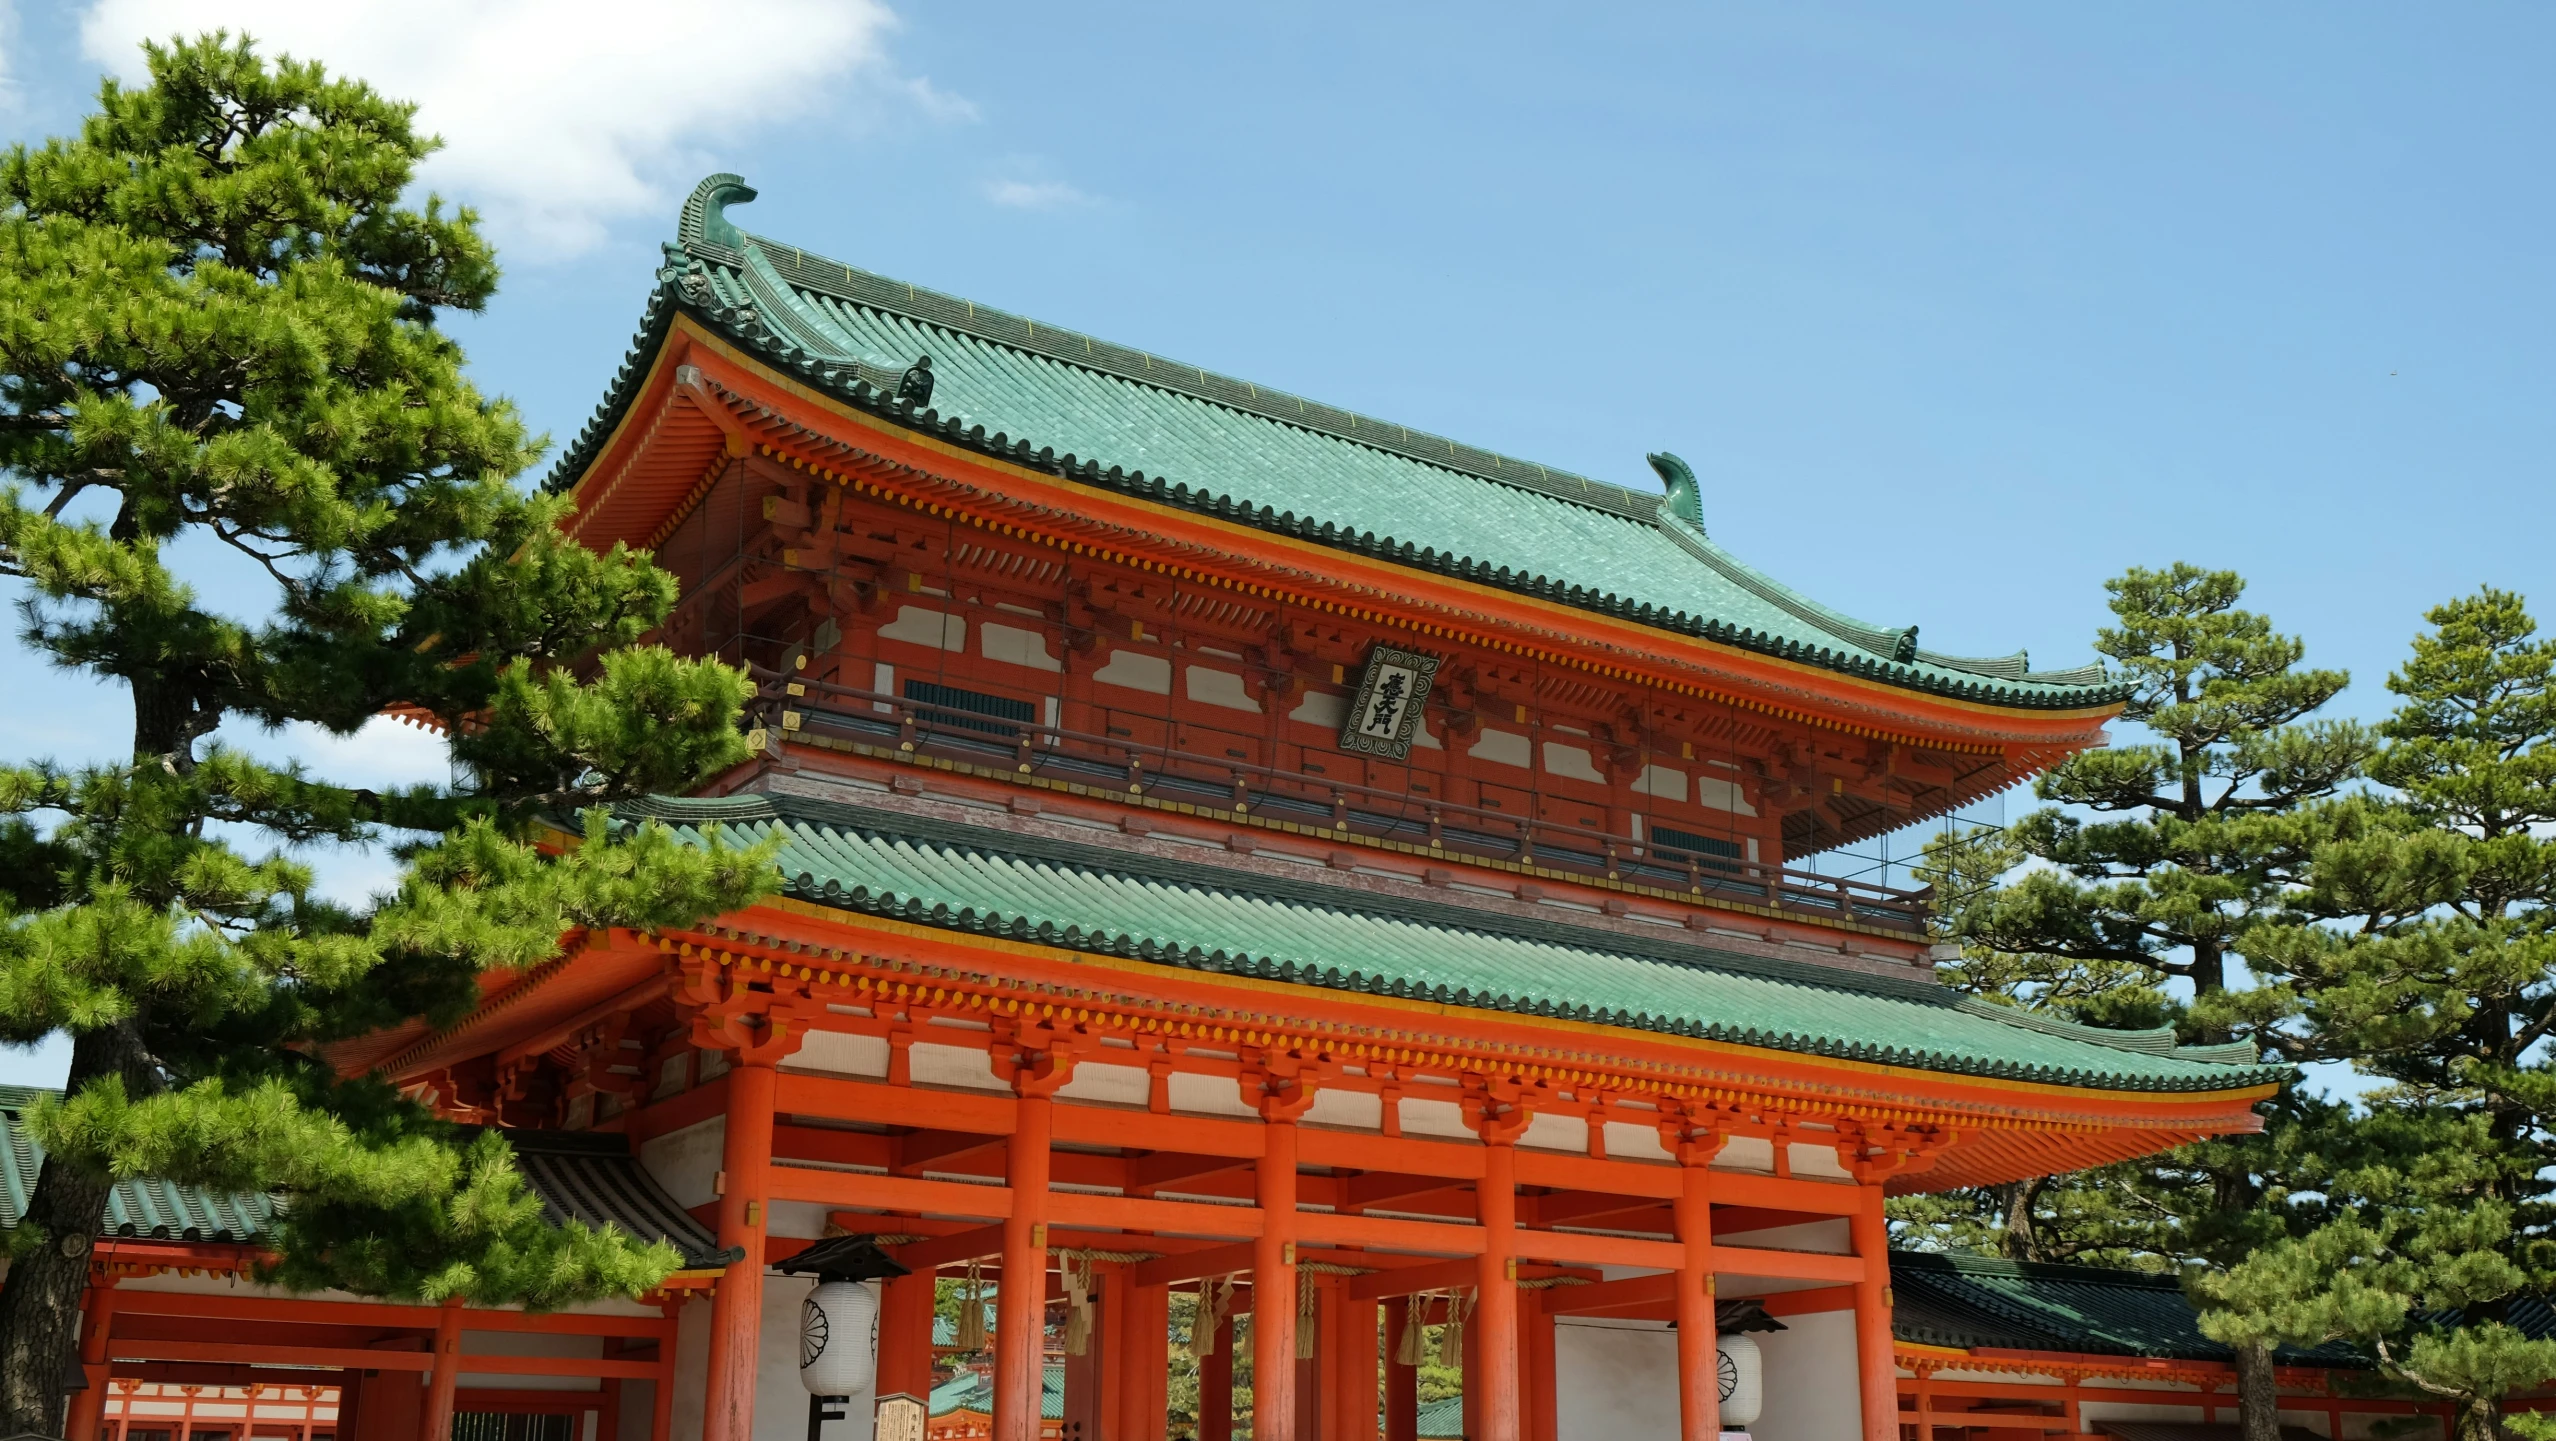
<point>218,335</point>
<point>2433,965</point>
<point>2198,840</point>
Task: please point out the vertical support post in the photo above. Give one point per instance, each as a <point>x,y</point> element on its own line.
<point>88,1408</point>
<point>438,1425</point>
<point>1543,1407</point>
<point>1472,1380</point>
<point>1496,1313</point>
<point>1020,1302</point>
<point>1926,1405</point>
<point>1880,1378</point>
<point>1402,1383</point>
<point>1143,1359</point>
<point>1349,1335</point>
<point>1699,1372</point>
<point>1216,1387</point>
<point>905,1336</point>
<point>608,1413</point>
<point>1273,1289</point>
<point>661,1404</point>
<point>2076,1414</point>
<point>736,1305</point>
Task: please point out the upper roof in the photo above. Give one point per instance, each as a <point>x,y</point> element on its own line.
<point>1129,420</point>
<point>1086,897</point>
<point>589,1177</point>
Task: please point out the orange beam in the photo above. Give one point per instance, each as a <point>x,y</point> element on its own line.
<point>1804,1303</point>
<point>955,1249</point>
<point>338,1358</point>
<point>194,1305</point>
<point>889,1193</point>
<point>1172,1270</point>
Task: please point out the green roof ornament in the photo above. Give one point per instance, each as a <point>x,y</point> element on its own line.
<point>705,211</point>
<point>1685,498</point>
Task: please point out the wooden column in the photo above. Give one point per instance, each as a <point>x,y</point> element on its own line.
<point>1273,1289</point>
<point>1216,1387</point>
<point>88,1409</point>
<point>1471,1365</point>
<point>1873,1365</point>
<point>736,1306</point>
<point>1926,1405</point>
<point>1143,1359</point>
<point>661,1402</point>
<point>1537,1374</point>
<point>1088,1388</point>
<point>905,1336</point>
<point>1349,1337</point>
<point>1496,1313</point>
<point>1402,1383</point>
<point>1699,1373</point>
<point>1020,1300</point>
<point>440,1384</point>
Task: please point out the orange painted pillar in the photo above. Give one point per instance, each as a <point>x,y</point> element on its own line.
<point>1402,1383</point>
<point>905,1336</point>
<point>1880,1377</point>
<point>1273,1290</point>
<point>1020,1300</point>
<point>1349,1382</point>
<point>441,1382</point>
<point>736,1306</point>
<point>1216,1387</point>
<point>1536,1373</point>
<point>1496,1314</point>
<point>1471,1365</point>
<point>661,1404</point>
<point>88,1409</point>
<point>1141,1353</point>
<point>1699,1370</point>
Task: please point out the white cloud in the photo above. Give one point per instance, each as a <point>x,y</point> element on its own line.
<point>561,116</point>
<point>1034,194</point>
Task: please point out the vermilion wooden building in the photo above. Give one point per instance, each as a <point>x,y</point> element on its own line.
<point>1228,836</point>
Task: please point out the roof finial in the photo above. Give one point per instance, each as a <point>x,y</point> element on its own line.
<point>1685,498</point>
<point>705,211</point>
<point>916,384</point>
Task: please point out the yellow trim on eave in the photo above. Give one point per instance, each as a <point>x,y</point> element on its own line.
<point>1054,955</point>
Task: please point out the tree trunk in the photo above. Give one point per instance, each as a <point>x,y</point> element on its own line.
<point>2258,1394</point>
<point>40,1307</point>
<point>2022,1242</point>
<point>2477,1421</point>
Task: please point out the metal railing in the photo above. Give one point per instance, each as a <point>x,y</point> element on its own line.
<point>1319,805</point>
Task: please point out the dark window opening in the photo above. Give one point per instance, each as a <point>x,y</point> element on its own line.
<point>1694,844</point>
<point>974,701</point>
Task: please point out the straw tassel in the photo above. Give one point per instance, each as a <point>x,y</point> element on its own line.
<point>971,1320</point>
<point>1308,1317</point>
<point>1078,1305</point>
<point>1415,1331</point>
<point>1451,1340</point>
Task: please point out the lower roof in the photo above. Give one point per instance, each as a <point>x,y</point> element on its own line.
<point>1198,917</point>
<point>581,1176</point>
<point>1976,1302</point>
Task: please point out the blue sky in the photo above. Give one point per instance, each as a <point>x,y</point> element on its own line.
<point>1956,310</point>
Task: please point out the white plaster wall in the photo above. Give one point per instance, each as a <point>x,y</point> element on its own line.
<point>686,1162</point>
<point>780,1402</point>
<point>692,1367</point>
<point>1827,1237</point>
<point>528,1343</point>
<point>1109,1085</point>
<point>840,1053</point>
<point>1614,1380</point>
<point>1812,1392</point>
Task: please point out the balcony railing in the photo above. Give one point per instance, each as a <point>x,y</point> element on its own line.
<point>1317,805</point>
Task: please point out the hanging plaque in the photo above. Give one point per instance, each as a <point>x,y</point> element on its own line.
<point>900,1418</point>
<point>1384,715</point>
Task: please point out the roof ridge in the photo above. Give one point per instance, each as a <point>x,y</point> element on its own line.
<point>1073,347</point>
<point>1968,1263</point>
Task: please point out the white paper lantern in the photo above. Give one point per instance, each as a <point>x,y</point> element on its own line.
<point>838,1338</point>
<point>1743,1381</point>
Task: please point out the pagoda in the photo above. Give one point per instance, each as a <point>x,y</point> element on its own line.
<point>1236,846</point>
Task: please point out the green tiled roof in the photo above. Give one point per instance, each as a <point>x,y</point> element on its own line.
<point>1979,1301</point>
<point>972,1390</point>
<point>1084,897</point>
<point>145,1209</point>
<point>1124,419</point>
<point>1442,1419</point>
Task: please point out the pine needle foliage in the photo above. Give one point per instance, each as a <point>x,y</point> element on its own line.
<point>219,338</point>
